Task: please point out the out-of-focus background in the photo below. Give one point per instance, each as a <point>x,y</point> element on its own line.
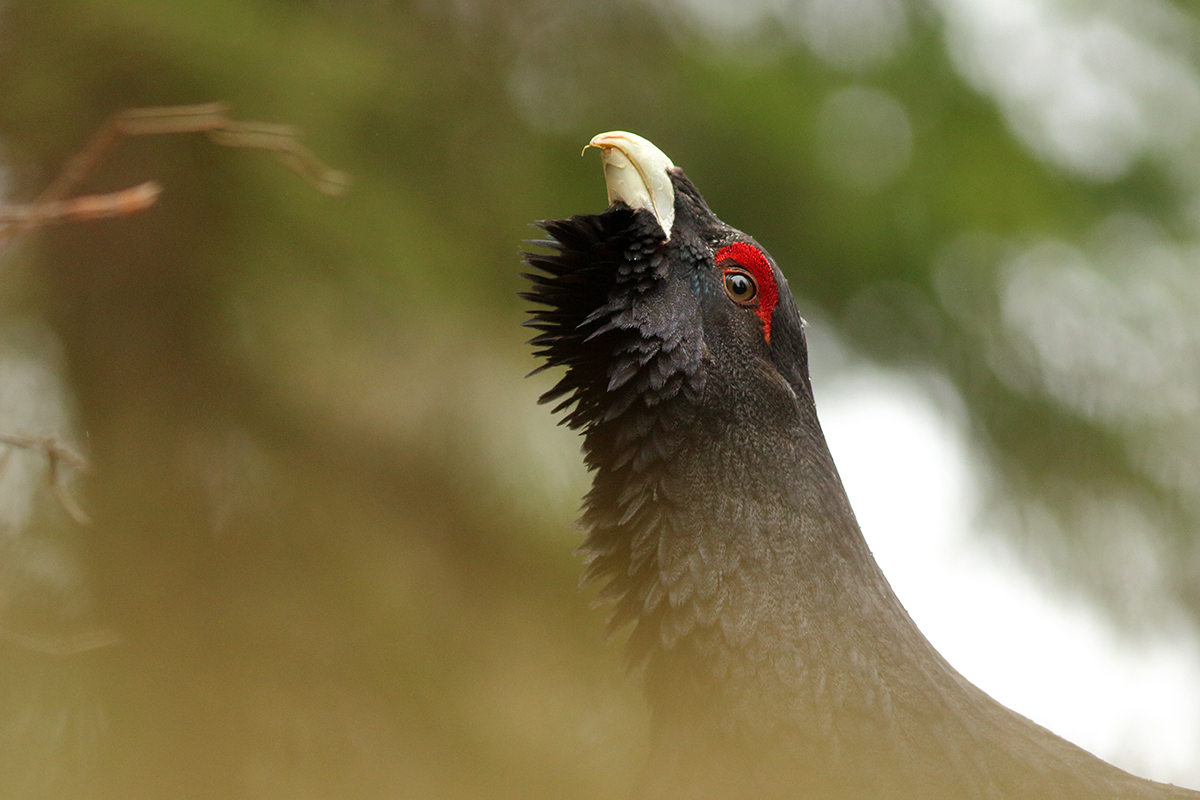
<point>330,554</point>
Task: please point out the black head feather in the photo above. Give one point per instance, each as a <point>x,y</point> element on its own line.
<point>633,372</point>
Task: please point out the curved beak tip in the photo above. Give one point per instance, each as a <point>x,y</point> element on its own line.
<point>636,172</point>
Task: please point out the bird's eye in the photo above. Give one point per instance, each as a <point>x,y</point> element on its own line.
<point>740,286</point>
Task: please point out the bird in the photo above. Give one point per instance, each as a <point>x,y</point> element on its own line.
<point>777,662</point>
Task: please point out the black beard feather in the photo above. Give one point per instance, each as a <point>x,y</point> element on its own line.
<point>633,379</point>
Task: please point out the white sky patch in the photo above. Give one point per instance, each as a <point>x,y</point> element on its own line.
<point>1111,327</point>
<point>1089,87</point>
<point>1046,655</point>
<point>851,35</point>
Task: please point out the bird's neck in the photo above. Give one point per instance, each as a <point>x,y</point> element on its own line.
<point>775,652</point>
<point>743,568</point>
<point>762,620</point>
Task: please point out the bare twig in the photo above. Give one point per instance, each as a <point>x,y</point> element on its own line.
<point>211,119</point>
<point>90,206</point>
<point>57,454</point>
<point>53,449</point>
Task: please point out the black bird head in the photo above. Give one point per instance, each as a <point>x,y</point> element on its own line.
<point>663,269</point>
<point>671,323</point>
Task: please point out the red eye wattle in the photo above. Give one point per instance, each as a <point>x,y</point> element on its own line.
<point>750,281</point>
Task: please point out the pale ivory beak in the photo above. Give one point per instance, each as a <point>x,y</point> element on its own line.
<point>635,172</point>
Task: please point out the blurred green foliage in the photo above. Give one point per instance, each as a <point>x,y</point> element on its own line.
<point>331,526</point>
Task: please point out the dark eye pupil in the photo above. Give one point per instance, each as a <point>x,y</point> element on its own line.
<point>740,287</point>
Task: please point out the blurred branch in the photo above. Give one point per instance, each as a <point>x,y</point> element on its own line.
<point>212,119</point>
<point>54,204</point>
<point>57,454</point>
<point>87,207</point>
